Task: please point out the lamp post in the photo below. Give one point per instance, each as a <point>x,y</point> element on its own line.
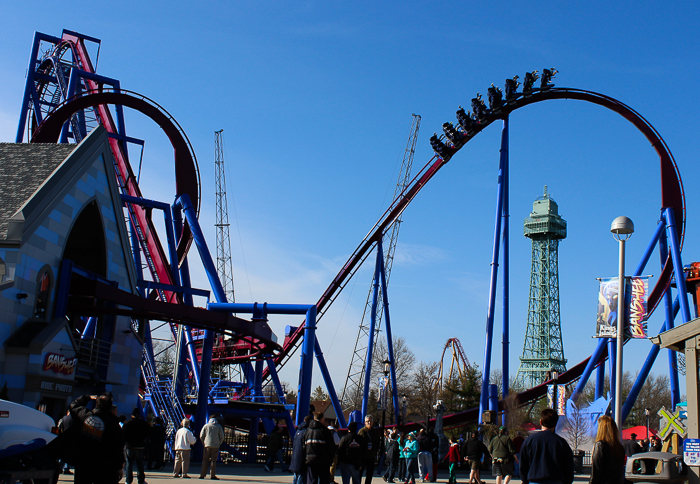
<point>622,229</point>
<point>647,412</point>
<point>387,368</point>
<point>403,411</point>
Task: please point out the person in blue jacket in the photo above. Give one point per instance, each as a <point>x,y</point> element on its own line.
<point>411,450</point>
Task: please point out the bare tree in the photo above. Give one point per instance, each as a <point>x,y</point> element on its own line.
<point>404,361</point>
<point>423,396</point>
<point>654,394</point>
<point>164,355</point>
<point>578,428</point>
<point>516,416</point>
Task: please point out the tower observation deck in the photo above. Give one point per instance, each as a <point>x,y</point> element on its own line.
<point>543,352</point>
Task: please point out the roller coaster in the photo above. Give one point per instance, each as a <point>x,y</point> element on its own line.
<point>65,98</point>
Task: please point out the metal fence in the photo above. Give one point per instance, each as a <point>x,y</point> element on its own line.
<point>235,447</point>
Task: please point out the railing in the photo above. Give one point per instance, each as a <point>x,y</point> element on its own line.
<point>236,445</point>
<point>159,393</point>
<point>94,352</point>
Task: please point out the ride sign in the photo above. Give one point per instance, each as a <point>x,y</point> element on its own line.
<point>691,452</point>
<point>670,424</point>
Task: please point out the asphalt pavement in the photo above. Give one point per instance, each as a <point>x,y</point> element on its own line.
<point>256,473</point>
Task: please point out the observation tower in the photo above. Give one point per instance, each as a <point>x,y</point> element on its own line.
<point>543,352</point>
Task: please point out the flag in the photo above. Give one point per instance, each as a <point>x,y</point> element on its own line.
<point>550,396</point>
<point>561,399</point>
<point>636,293</point>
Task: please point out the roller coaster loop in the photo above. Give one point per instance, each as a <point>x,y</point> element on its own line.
<point>672,198</point>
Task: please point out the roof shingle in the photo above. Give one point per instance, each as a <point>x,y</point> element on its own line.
<point>23,168</point>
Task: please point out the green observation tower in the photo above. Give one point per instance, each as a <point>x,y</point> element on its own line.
<point>543,352</point>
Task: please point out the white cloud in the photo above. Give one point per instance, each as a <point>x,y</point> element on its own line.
<point>414,254</point>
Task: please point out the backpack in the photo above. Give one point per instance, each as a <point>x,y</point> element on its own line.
<point>354,451</point>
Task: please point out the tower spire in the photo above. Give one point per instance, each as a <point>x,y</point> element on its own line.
<point>543,351</point>
<point>224,265</point>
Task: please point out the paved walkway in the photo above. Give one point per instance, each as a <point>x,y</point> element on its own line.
<point>251,473</point>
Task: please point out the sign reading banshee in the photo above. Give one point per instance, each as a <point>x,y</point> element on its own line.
<point>636,292</point>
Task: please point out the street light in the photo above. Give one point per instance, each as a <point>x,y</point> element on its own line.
<point>622,229</point>
<point>647,412</point>
<point>403,411</point>
<point>387,368</point>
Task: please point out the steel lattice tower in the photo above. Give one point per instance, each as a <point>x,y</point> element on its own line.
<point>543,351</point>
<point>352,392</point>
<point>224,266</point>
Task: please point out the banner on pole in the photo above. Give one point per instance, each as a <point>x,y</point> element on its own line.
<point>638,290</point>
<point>636,293</point>
<point>550,396</point>
<point>383,387</point>
<point>561,399</point>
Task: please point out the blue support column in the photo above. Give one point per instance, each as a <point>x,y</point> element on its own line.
<point>329,385</point>
<point>493,398</point>
<point>186,333</point>
<point>372,326</point>
<point>592,362</point>
<point>671,310</point>
<point>208,346</point>
<point>505,361</point>
<point>90,326</point>
<point>674,242</point>
<point>307,364</point>
<point>483,403</point>
<point>259,397</point>
<point>389,338</point>
<point>600,381</point>
<point>280,393</point>
<point>255,421</point>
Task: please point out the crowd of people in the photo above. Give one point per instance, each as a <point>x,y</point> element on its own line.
<point>104,448</point>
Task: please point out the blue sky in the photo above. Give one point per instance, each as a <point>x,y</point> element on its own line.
<point>315,99</point>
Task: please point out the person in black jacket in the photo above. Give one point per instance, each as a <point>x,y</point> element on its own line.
<point>319,448</point>
<point>392,457</point>
<point>631,446</point>
<point>546,457</point>
<point>351,452</point>
<point>136,432</point>
<point>156,445</point>
<point>434,444</point>
<point>472,451</point>
<point>608,459</point>
<point>298,463</point>
<point>373,437</point>
<point>95,441</point>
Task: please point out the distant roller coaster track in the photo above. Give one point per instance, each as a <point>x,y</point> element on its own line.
<point>672,196</point>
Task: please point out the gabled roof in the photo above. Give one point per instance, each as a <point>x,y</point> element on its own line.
<point>23,168</point>
<point>677,338</point>
<point>34,334</point>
